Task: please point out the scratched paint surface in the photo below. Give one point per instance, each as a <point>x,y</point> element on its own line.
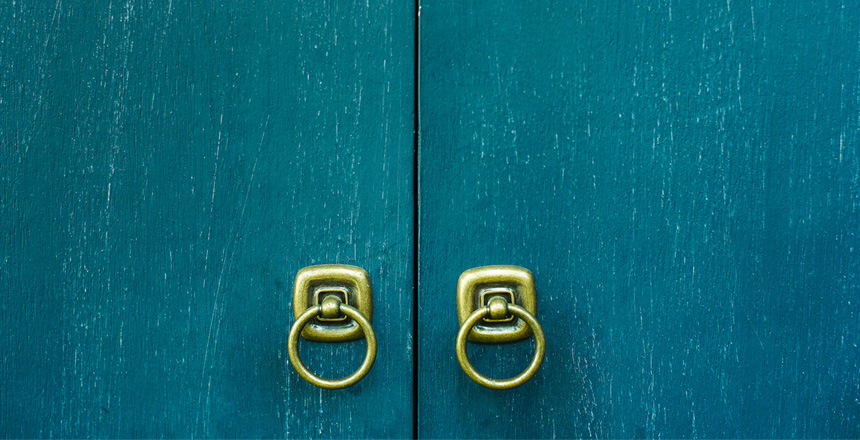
<point>165,169</point>
<point>683,178</point>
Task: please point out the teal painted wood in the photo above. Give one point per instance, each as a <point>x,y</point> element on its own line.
<point>683,178</point>
<point>165,170</point>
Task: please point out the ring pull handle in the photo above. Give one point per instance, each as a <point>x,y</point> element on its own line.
<point>488,300</point>
<point>331,307</point>
<point>498,308</point>
<point>332,303</point>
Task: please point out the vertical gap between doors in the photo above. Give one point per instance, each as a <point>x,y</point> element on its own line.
<point>416,213</point>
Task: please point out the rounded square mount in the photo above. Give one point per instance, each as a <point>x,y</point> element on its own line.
<point>477,283</point>
<point>314,282</point>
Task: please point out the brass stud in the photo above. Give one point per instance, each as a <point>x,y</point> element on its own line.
<point>498,308</point>
<point>330,307</point>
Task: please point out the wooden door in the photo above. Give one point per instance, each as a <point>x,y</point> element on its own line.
<point>165,170</point>
<point>683,180</point>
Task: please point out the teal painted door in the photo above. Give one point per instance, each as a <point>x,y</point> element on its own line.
<point>165,170</point>
<point>682,178</point>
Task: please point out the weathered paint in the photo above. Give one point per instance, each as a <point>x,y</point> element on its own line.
<point>165,170</point>
<point>683,178</point>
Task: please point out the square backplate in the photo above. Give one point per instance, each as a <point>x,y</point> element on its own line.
<point>476,285</point>
<point>315,282</point>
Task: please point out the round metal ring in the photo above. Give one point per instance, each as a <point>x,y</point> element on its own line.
<point>463,357</point>
<point>329,384</point>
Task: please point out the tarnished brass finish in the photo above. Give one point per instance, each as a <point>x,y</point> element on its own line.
<point>350,284</point>
<point>328,316</point>
<point>330,305</point>
<point>489,299</point>
<point>488,294</point>
<point>499,305</point>
<point>477,287</point>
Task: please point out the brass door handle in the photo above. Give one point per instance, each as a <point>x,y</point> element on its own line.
<point>488,295</point>
<point>497,309</point>
<point>331,307</point>
<point>322,300</point>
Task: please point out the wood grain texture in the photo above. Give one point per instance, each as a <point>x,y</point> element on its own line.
<point>683,178</point>
<point>165,170</point>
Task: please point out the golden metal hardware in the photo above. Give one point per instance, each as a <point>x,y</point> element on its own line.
<point>349,283</point>
<point>475,289</point>
<point>485,299</point>
<point>330,318</point>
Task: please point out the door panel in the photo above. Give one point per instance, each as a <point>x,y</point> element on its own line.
<point>165,170</point>
<point>682,178</point>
